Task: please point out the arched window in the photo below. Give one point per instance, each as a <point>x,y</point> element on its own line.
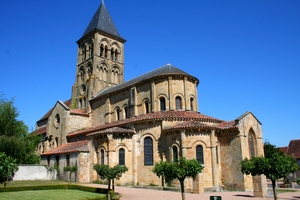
<point>146,104</point>
<point>251,143</point>
<point>80,103</point>
<point>105,52</point>
<point>148,151</point>
<point>112,54</point>
<point>117,113</point>
<point>56,142</point>
<point>178,103</point>
<point>162,101</point>
<point>83,53</point>
<point>121,156</point>
<point>199,154</point>
<point>125,112</point>
<point>102,157</point>
<point>116,55</point>
<point>192,103</point>
<point>115,75</point>
<point>175,154</point>
<point>81,73</point>
<point>101,50</point>
<point>90,50</point>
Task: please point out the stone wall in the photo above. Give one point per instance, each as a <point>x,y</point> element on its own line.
<point>34,172</point>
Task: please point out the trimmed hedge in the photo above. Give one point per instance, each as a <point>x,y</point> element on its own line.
<point>53,187</point>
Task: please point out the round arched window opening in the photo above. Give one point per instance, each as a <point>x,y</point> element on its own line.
<point>57,120</point>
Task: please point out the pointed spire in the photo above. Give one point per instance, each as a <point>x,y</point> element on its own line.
<point>102,21</point>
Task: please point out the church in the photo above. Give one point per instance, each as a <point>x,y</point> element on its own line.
<point>142,121</point>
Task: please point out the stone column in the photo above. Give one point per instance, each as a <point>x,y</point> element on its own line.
<point>186,98</point>
<point>171,104</point>
<point>215,171</point>
<point>198,186</point>
<point>259,186</point>
<point>196,95</point>
<point>109,149</point>
<point>108,54</point>
<point>183,143</point>
<point>153,101</point>
<point>107,111</point>
<point>134,160</point>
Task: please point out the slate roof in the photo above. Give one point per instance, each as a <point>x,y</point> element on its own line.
<point>156,116</point>
<point>161,71</point>
<point>71,147</point>
<point>102,21</point>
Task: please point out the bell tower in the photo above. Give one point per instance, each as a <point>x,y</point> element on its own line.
<point>100,59</point>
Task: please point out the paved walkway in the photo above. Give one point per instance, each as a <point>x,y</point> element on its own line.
<point>129,193</point>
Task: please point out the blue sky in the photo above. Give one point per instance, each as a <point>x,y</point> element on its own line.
<point>246,54</point>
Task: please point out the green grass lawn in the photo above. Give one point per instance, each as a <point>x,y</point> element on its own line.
<point>50,195</point>
<point>36,182</point>
<point>57,194</point>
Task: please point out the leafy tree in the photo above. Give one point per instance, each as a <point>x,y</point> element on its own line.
<point>110,173</point>
<point>274,165</point>
<point>70,169</point>
<point>8,167</point>
<point>14,138</point>
<point>180,170</point>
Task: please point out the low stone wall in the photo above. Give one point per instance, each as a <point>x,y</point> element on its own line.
<point>34,172</point>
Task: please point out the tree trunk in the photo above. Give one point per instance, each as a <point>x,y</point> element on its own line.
<point>274,189</point>
<point>113,184</point>
<point>182,188</point>
<point>108,193</point>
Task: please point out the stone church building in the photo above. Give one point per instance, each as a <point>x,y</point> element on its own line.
<point>142,121</point>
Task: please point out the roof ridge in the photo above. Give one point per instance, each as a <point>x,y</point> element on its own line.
<point>163,70</point>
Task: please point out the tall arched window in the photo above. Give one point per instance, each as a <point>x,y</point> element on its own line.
<point>162,101</point>
<point>83,52</point>
<point>125,112</point>
<point>56,142</point>
<point>116,55</point>
<point>105,52</point>
<point>148,151</point>
<point>121,156</point>
<point>102,157</point>
<point>175,153</point>
<point>192,103</point>
<point>112,54</point>
<point>146,107</point>
<point>178,103</point>
<point>251,143</point>
<point>80,103</point>
<point>117,113</point>
<point>199,154</point>
<point>101,50</point>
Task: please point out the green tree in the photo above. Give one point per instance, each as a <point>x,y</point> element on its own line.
<point>180,170</point>
<point>110,173</point>
<point>72,170</point>
<point>14,138</point>
<point>8,167</point>
<point>274,165</point>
